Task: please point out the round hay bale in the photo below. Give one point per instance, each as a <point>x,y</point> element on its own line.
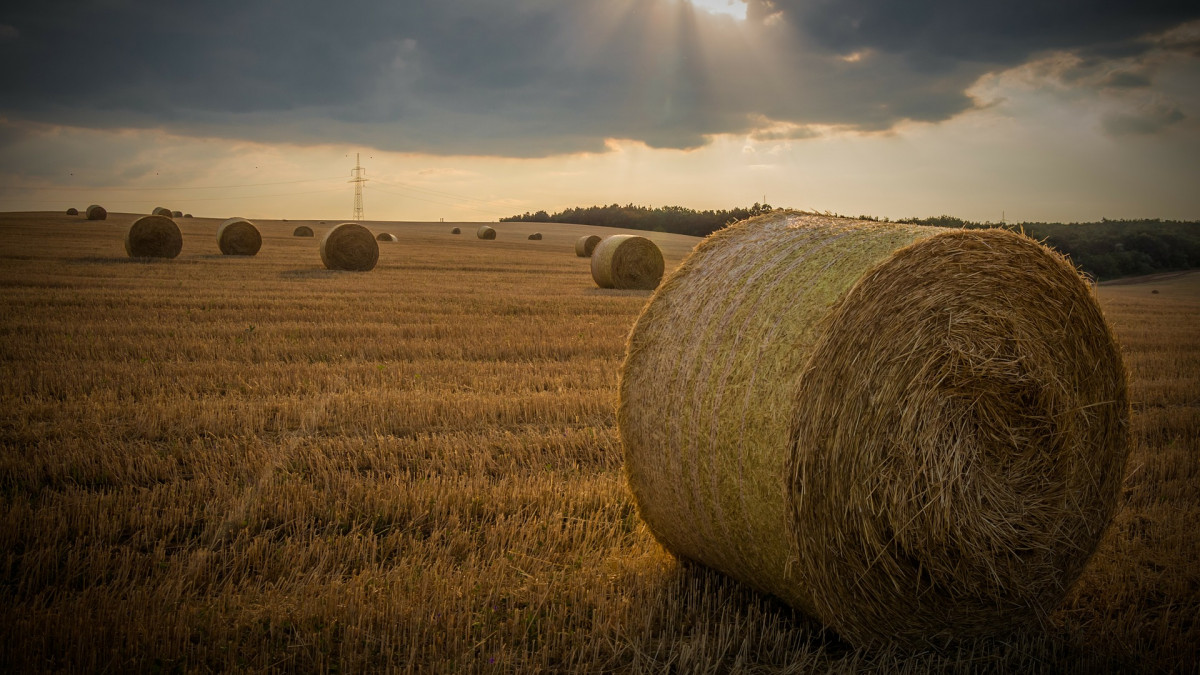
<point>96,212</point>
<point>177,214</point>
<point>72,211</point>
<point>302,231</point>
<point>153,237</point>
<point>238,236</point>
<point>536,236</point>
<point>485,232</point>
<point>456,231</point>
<point>627,261</point>
<point>187,215</point>
<point>585,245</point>
<point>161,211</point>
<point>913,434</point>
<point>385,236</point>
<point>349,246</point>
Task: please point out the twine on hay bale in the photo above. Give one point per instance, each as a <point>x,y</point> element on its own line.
<point>161,211</point>
<point>485,232</point>
<point>627,261</point>
<point>238,236</point>
<point>349,246</point>
<point>302,231</point>
<point>72,211</point>
<point>913,434</point>
<point>456,231</point>
<point>385,236</point>
<point>96,212</point>
<point>153,237</point>
<point>536,236</point>
<point>585,245</point>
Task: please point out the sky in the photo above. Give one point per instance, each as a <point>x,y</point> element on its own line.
<point>471,110</point>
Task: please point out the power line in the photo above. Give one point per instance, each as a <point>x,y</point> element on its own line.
<point>439,202</point>
<point>180,187</point>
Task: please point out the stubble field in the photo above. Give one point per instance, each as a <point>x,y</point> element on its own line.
<point>217,463</point>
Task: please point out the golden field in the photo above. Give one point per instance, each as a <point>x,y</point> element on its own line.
<point>220,463</point>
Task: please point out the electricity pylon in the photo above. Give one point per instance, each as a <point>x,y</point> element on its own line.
<point>360,177</point>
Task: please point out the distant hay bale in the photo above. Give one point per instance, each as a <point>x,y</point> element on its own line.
<point>585,245</point>
<point>536,236</point>
<point>72,211</point>
<point>96,212</point>
<point>386,236</point>
<point>161,211</point>
<point>153,237</point>
<point>485,232</point>
<point>177,214</point>
<point>456,231</point>
<point>627,261</point>
<point>187,215</point>
<point>914,434</point>
<point>349,246</point>
<point>302,231</point>
<point>238,236</point>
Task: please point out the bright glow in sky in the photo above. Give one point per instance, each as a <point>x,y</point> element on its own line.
<point>734,8</point>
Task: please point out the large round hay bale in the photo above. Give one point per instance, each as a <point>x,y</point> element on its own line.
<point>96,212</point>
<point>72,211</point>
<point>238,236</point>
<point>485,232</point>
<point>385,236</point>
<point>536,236</point>
<point>914,434</point>
<point>455,231</point>
<point>177,214</point>
<point>627,261</point>
<point>349,246</point>
<point>302,231</point>
<point>161,211</point>
<point>585,245</point>
<point>153,237</point>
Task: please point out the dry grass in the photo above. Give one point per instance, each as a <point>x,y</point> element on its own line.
<point>258,464</point>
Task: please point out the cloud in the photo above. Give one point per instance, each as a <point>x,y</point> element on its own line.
<point>1149,119</point>
<point>528,78</point>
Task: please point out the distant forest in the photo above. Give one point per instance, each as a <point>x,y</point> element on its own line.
<point>1105,250</point>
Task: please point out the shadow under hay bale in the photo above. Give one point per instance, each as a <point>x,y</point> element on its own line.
<point>456,231</point>
<point>96,212</point>
<point>486,232</point>
<point>351,247</point>
<point>913,434</point>
<point>161,211</point>
<point>72,211</point>
<point>585,245</point>
<point>238,236</point>
<point>153,237</point>
<point>536,236</point>
<point>302,231</point>
<point>627,261</point>
<point>385,236</point>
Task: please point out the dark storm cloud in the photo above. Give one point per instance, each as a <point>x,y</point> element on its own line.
<point>525,77</point>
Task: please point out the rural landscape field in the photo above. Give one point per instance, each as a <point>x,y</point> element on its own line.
<point>254,463</point>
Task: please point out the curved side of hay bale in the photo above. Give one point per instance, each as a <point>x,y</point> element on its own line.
<point>72,211</point>
<point>536,236</point>
<point>456,231</point>
<point>485,232</point>
<point>351,247</point>
<point>177,214</point>
<point>96,212</point>
<point>385,236</point>
<point>153,237</point>
<point>187,215</point>
<point>912,434</point>
<point>585,245</point>
<point>627,261</point>
<point>302,231</point>
<point>161,211</point>
<point>238,236</point>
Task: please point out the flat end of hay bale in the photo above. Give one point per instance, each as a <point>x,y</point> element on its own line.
<point>627,261</point>
<point>585,245</point>
<point>153,237</point>
<point>238,236</point>
<point>456,231</point>
<point>350,247</point>
<point>385,236</point>
<point>486,232</point>
<point>72,211</point>
<point>187,215</point>
<point>302,231</point>
<point>96,212</point>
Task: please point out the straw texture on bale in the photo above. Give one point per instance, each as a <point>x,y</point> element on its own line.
<point>456,231</point>
<point>386,236</point>
<point>485,232</point>
<point>153,237</point>
<point>177,214</point>
<point>161,211</point>
<point>349,246</point>
<point>627,261</point>
<point>585,245</point>
<point>536,236</point>
<point>72,211</point>
<point>914,434</point>
<point>96,212</point>
<point>238,236</point>
<point>302,231</point>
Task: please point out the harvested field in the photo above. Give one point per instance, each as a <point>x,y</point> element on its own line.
<point>231,464</point>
